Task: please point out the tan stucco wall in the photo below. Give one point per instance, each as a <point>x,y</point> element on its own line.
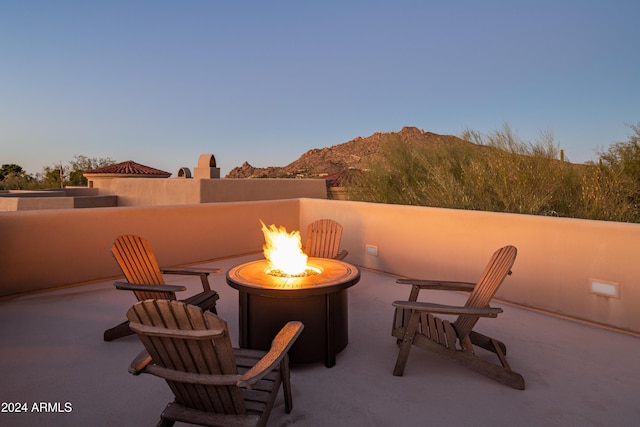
<point>45,249</point>
<point>221,190</point>
<point>66,198</point>
<point>149,191</point>
<point>8,204</point>
<point>556,257</point>
<point>36,203</point>
<point>154,191</point>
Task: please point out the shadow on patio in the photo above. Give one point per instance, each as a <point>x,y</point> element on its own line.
<point>576,374</point>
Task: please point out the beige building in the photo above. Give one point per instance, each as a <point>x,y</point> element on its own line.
<point>133,184</point>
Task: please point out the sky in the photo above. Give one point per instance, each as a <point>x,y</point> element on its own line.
<point>160,82</point>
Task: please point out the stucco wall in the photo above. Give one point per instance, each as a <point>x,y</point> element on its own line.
<point>65,198</point>
<point>149,191</point>
<point>557,257</point>
<point>45,249</point>
<point>9,204</point>
<point>36,203</point>
<point>223,190</point>
<point>155,191</point>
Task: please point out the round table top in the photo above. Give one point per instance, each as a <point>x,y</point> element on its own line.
<point>334,275</point>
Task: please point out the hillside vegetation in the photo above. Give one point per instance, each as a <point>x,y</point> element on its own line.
<point>501,173</point>
<point>354,154</point>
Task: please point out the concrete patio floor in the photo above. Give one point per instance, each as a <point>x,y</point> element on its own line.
<point>51,351</point>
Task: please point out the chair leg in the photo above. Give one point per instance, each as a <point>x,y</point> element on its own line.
<point>213,309</point>
<point>407,342</point>
<point>286,383</point>
<point>165,423</point>
<point>204,278</point>
<point>474,363</point>
<point>120,331</point>
<point>487,343</point>
<point>501,356</point>
<point>400,320</point>
<point>502,374</point>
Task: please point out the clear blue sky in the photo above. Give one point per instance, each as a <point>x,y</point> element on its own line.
<point>161,82</point>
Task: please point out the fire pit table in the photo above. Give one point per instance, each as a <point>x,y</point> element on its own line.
<point>320,301</point>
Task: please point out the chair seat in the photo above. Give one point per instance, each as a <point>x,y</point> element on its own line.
<point>176,412</point>
<point>205,300</point>
<point>256,399</point>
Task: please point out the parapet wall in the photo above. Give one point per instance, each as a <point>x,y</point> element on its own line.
<point>64,198</point>
<point>111,192</point>
<point>155,192</point>
<point>52,248</point>
<point>558,259</point>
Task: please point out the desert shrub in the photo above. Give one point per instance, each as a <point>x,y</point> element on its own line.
<point>607,195</point>
<point>501,173</point>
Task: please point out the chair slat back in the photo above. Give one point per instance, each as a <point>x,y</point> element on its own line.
<point>323,238</point>
<point>138,264</point>
<point>495,272</point>
<point>191,354</point>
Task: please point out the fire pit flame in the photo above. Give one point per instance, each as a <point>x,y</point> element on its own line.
<point>284,252</point>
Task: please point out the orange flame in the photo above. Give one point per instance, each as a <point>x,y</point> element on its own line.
<point>284,250</point>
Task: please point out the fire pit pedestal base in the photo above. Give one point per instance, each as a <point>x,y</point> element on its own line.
<point>319,301</point>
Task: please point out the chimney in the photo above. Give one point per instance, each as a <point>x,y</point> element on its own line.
<point>206,168</point>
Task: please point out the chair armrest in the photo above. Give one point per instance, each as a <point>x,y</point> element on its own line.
<point>341,255</point>
<point>148,288</point>
<point>193,271</point>
<point>448,309</point>
<point>446,285</point>
<point>142,365</point>
<point>190,377</point>
<point>279,349</point>
<point>139,363</point>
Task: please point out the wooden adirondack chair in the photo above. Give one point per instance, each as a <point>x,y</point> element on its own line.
<point>145,279</point>
<point>213,384</point>
<point>323,240</point>
<point>415,324</point>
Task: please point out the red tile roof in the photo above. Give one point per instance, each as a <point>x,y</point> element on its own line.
<point>129,168</point>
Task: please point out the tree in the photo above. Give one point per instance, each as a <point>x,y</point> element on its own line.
<point>58,176</point>
<point>7,169</point>
<point>52,177</point>
<point>81,164</point>
<point>13,177</point>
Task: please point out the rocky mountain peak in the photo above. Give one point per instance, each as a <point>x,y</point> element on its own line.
<point>354,154</point>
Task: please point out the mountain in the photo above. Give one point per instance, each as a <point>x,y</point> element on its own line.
<point>354,154</point>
